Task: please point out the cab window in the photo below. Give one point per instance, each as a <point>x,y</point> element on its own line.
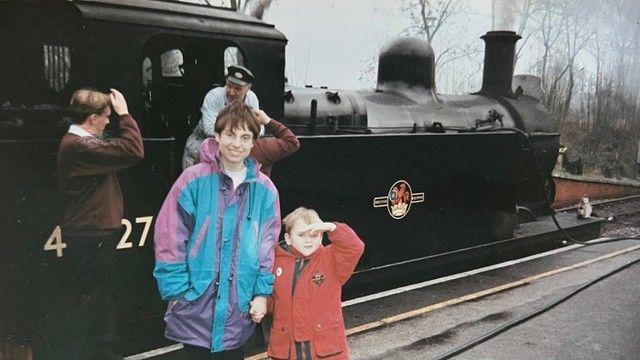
<point>172,63</point>
<point>147,72</point>
<point>232,56</point>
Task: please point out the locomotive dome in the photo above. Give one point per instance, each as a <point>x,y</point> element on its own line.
<point>406,64</point>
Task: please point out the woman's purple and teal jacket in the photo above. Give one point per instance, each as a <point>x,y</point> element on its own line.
<point>214,249</point>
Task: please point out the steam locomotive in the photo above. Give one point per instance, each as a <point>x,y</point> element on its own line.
<point>430,182</point>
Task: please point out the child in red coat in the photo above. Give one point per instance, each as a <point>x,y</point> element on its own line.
<point>307,311</point>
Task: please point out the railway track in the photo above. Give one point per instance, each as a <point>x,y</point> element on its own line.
<point>623,215</point>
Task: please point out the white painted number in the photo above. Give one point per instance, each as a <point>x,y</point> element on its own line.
<point>124,241</point>
<point>55,242</point>
<point>147,224</point>
<point>124,244</point>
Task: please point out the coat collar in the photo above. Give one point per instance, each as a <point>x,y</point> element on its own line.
<point>292,252</point>
<point>210,153</point>
<point>77,130</point>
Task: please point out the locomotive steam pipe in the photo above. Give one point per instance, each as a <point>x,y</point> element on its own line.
<point>499,58</point>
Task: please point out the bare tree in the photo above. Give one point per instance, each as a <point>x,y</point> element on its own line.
<point>429,17</point>
<point>594,93</point>
<point>526,10</point>
<point>517,16</point>
<point>441,22</point>
<point>549,33</point>
<point>564,28</point>
<point>434,20</point>
<point>578,31</point>
<point>255,8</point>
<point>432,15</point>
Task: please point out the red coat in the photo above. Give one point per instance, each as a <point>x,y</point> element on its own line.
<point>314,311</point>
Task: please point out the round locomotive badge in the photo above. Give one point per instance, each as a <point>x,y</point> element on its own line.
<point>399,199</point>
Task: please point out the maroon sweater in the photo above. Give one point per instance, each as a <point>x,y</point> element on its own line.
<point>269,150</point>
<point>88,182</point>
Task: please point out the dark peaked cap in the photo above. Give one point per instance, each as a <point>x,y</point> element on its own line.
<point>239,75</point>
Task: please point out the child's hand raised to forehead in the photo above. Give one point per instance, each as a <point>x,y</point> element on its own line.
<point>320,227</point>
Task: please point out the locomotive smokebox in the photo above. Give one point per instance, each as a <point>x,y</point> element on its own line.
<point>407,65</point>
<point>499,55</point>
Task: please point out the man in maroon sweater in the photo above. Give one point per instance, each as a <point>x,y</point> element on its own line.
<point>91,222</point>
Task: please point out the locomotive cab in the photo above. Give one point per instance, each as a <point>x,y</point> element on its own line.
<point>163,57</point>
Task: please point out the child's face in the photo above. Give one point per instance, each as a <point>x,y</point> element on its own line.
<point>302,239</point>
<point>235,145</point>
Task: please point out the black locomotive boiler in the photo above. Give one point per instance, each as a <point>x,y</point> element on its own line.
<point>430,182</point>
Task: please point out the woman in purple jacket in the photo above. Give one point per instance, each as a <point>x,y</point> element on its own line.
<point>214,243</point>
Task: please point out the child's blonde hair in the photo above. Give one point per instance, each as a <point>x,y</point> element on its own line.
<point>309,216</point>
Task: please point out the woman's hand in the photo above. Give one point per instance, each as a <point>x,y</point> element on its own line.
<point>258,308</point>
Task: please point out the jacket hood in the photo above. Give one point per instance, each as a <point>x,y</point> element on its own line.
<point>210,154</point>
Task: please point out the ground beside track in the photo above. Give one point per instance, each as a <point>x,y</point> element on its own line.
<point>600,323</point>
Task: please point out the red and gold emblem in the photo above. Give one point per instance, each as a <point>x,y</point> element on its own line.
<point>399,199</point>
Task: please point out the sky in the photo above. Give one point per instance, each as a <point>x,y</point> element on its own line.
<point>331,41</point>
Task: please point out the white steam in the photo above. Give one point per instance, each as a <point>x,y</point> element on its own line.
<point>504,13</point>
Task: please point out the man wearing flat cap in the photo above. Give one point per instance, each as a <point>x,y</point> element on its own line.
<point>237,87</point>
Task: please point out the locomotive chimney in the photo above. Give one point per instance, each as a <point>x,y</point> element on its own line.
<point>499,55</point>
<point>406,67</point>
